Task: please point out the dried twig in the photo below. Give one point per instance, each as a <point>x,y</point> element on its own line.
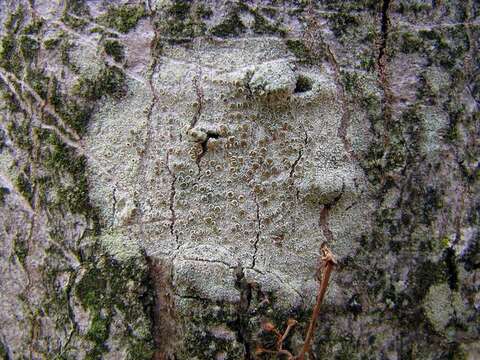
<point>328,261</point>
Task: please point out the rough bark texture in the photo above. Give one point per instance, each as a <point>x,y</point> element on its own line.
<point>169,170</point>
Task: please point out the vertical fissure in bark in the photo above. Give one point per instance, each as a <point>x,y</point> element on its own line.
<point>451,268</point>
<point>382,68</point>
<point>242,321</point>
<point>257,233</point>
<point>173,216</point>
<point>204,144</point>
<point>164,327</point>
<point>199,104</point>
<point>384,27</point>
<point>114,205</point>
<point>325,214</point>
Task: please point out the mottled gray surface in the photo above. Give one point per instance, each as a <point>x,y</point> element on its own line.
<point>169,169</point>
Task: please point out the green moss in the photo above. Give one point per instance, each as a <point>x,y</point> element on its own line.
<point>262,26</point>
<point>11,101</point>
<point>51,44</point>
<point>73,21</point>
<point>76,13</point>
<point>298,48</point>
<point>77,7</point>
<point>114,49</point>
<point>24,187</point>
<point>110,81</point>
<point>38,81</point>
<point>54,96</point>
<point>456,116</point>
<point>20,248</point>
<point>342,22</point>
<point>98,333</point>
<point>123,18</point>
<point>34,27</point>
<point>15,20</point>
<point>7,46</point>
<point>350,82</point>
<point>20,135</point>
<point>180,9</point>
<point>61,160</point>
<point>104,290</point>
<point>2,139</point>
<point>3,352</point>
<point>9,57</point>
<point>413,7</point>
<point>65,54</point>
<point>203,11</point>
<point>231,26</point>
<point>75,115</point>
<point>410,43</point>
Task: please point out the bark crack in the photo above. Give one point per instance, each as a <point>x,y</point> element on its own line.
<point>204,144</point>
<point>200,99</point>
<point>257,233</point>
<point>345,120</point>
<point>210,261</point>
<point>172,201</point>
<point>297,160</point>
<point>325,215</point>
<point>382,67</point>
<point>384,27</point>
<point>71,314</point>
<point>165,331</point>
<point>314,35</point>
<point>242,321</point>
<point>114,205</point>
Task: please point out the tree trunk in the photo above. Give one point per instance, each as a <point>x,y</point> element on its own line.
<point>170,169</point>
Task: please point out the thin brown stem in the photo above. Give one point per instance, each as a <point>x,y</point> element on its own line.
<point>329,262</point>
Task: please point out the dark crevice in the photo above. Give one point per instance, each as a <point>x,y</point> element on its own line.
<point>209,261</point>
<point>384,27</point>
<point>451,268</point>
<point>325,214</point>
<point>303,84</point>
<point>297,160</point>
<point>242,320</point>
<point>71,314</point>
<point>382,67</point>
<point>195,298</point>
<point>114,205</point>
<point>164,330</point>
<point>198,111</point>
<point>257,234</point>
<point>210,135</point>
<point>342,130</point>
<point>172,201</point>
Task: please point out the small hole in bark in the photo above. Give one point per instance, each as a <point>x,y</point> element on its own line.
<point>303,84</point>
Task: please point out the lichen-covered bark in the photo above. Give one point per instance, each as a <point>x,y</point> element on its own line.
<point>169,169</point>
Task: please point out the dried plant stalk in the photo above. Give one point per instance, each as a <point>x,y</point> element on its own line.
<point>328,261</point>
<point>328,264</point>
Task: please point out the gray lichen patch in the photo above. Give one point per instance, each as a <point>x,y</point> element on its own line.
<point>119,129</point>
<point>210,166</point>
<point>444,307</point>
<point>271,78</point>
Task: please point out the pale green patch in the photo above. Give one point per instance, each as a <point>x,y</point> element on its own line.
<point>442,305</point>
<point>120,246</point>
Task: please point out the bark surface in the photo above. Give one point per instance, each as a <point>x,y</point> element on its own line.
<point>169,170</point>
